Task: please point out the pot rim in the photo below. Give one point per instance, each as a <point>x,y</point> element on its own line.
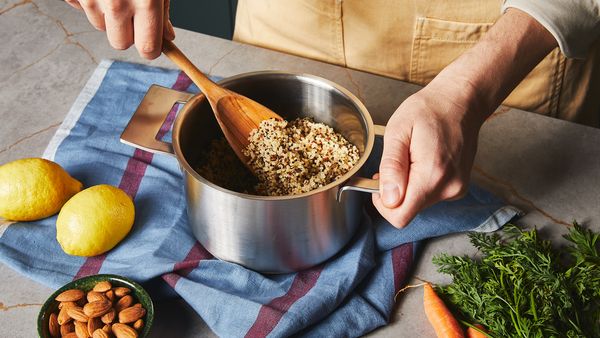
<point>306,77</point>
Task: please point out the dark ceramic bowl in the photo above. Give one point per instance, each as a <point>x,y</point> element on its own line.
<point>86,284</point>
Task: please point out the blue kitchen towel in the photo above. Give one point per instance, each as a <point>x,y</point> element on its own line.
<point>349,295</point>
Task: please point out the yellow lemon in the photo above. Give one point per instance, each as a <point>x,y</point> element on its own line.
<point>34,188</point>
<point>94,221</point>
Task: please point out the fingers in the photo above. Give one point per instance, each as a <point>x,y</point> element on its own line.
<point>127,22</point>
<point>94,13</point>
<point>418,196</point>
<point>428,183</point>
<point>119,25</point>
<point>394,167</point>
<point>148,26</point>
<point>74,3</point>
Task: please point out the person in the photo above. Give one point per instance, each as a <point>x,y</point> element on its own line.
<point>469,55</point>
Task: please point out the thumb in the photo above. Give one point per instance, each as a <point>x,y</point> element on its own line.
<point>393,169</point>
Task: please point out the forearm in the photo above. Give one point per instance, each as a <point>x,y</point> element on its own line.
<point>575,24</point>
<point>486,74</point>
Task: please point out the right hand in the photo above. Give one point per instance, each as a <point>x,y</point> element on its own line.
<point>126,22</point>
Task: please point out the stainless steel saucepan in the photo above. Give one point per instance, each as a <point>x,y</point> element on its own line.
<point>268,234</point>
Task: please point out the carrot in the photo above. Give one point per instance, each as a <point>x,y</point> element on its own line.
<point>442,320</point>
<point>473,333</point>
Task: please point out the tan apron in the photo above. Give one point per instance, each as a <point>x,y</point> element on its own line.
<point>412,41</point>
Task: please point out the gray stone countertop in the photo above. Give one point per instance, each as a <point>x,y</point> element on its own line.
<point>546,167</point>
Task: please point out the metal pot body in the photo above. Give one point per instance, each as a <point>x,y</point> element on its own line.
<point>267,234</point>
<point>271,236</point>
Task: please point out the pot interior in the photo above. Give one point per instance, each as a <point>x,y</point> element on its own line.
<point>291,96</point>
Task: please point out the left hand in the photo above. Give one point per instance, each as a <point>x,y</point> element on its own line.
<point>431,140</point>
<point>429,148</point>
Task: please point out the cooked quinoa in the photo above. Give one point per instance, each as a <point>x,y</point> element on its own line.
<point>288,158</point>
<point>220,165</point>
<point>295,157</point>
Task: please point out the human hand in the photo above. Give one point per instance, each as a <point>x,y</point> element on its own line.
<point>126,22</point>
<point>431,140</point>
<point>429,148</point>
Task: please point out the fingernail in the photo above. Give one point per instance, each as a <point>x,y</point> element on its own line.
<point>391,194</point>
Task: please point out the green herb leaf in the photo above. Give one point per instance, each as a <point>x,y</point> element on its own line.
<point>522,287</point>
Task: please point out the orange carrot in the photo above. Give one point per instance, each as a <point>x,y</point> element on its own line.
<point>472,333</point>
<point>442,320</point>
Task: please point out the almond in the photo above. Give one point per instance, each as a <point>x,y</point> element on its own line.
<point>121,291</point>
<point>77,313</point>
<point>110,294</point>
<point>108,317</point>
<point>67,328</point>
<point>102,286</point>
<point>93,324</point>
<point>124,331</point>
<point>63,304</point>
<point>131,314</point>
<point>81,330</point>
<point>71,295</point>
<point>139,324</point>
<point>107,328</point>
<point>123,303</point>
<point>93,296</point>
<point>97,308</point>
<point>100,334</point>
<point>63,316</point>
<point>53,327</point>
<point>137,305</point>
<point>70,335</point>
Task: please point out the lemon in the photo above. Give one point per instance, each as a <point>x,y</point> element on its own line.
<point>94,221</point>
<point>34,188</point>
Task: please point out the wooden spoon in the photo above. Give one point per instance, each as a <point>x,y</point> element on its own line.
<point>236,114</point>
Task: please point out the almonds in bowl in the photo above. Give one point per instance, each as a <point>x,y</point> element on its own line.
<point>97,306</point>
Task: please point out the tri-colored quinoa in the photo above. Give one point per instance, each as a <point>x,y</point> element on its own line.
<point>288,158</point>
<point>221,166</point>
<point>295,157</point>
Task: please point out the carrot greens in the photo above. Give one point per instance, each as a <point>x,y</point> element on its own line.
<point>523,287</point>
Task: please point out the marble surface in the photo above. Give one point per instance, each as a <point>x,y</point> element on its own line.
<point>546,167</point>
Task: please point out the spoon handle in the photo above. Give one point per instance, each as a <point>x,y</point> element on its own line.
<point>206,86</point>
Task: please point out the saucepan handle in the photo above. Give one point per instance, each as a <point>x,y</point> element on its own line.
<point>142,129</point>
<point>363,184</point>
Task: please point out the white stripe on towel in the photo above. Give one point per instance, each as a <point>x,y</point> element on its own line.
<point>87,93</point>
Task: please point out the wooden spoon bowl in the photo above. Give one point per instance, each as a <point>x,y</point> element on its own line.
<point>236,114</point>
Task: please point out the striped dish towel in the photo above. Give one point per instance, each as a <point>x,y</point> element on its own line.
<point>349,295</point>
